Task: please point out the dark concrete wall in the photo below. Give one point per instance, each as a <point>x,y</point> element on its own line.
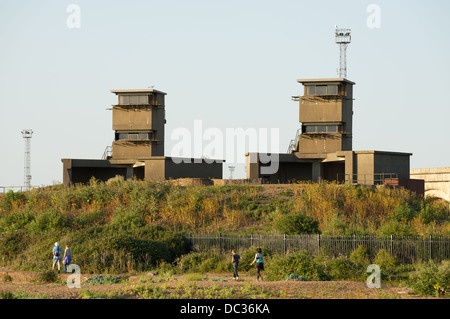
<point>192,170</point>
<point>82,170</point>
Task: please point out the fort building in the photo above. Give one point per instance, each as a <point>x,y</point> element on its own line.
<point>322,148</point>
<point>138,122</point>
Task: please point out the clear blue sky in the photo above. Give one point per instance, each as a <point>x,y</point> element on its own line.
<point>229,63</point>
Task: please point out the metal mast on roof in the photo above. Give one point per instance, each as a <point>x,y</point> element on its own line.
<point>26,134</point>
<point>343,38</point>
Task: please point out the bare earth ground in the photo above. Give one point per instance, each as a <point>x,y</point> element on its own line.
<point>27,285</point>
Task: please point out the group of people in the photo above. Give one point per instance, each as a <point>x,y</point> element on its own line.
<point>67,259</point>
<point>235,259</point>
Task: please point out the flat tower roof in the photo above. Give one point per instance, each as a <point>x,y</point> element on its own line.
<point>133,91</point>
<point>303,81</point>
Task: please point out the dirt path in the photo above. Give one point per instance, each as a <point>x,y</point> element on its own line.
<point>25,284</point>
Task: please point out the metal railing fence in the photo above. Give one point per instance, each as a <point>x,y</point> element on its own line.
<point>405,249</point>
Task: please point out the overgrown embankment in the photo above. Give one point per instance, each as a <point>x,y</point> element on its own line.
<point>133,225</point>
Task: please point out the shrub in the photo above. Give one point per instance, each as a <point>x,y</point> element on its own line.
<point>104,280</point>
<point>404,212</point>
<point>48,276</point>
<point>10,198</point>
<point>12,244</point>
<point>128,219</point>
<point>15,221</point>
<point>385,260</point>
<point>199,262</point>
<point>7,278</point>
<point>49,220</point>
<point>360,257</point>
<point>297,224</point>
<point>340,268</point>
<point>396,228</point>
<point>7,295</point>
<point>431,278</point>
<point>300,263</point>
<point>336,226</point>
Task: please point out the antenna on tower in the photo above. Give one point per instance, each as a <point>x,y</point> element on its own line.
<point>26,134</point>
<point>343,38</point>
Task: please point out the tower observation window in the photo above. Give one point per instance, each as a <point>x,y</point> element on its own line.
<point>311,129</point>
<point>133,136</point>
<point>331,89</point>
<point>133,99</point>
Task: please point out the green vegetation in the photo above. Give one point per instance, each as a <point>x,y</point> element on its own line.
<point>104,280</point>
<point>48,276</point>
<point>137,226</point>
<point>432,278</point>
<point>194,291</point>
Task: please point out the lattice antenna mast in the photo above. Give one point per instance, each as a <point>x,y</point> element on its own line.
<point>343,38</point>
<point>26,134</point>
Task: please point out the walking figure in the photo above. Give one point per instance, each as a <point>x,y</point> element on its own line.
<point>235,258</point>
<point>259,263</point>
<point>67,257</point>
<point>57,257</point>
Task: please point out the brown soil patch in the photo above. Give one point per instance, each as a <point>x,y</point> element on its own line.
<point>26,285</point>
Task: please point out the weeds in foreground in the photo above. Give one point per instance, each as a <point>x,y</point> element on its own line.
<point>194,291</point>
<point>89,294</point>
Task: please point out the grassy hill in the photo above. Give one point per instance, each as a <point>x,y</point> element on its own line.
<point>132,225</point>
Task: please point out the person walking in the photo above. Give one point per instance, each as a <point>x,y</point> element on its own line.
<point>57,257</point>
<point>67,259</point>
<point>259,263</point>
<point>235,258</point>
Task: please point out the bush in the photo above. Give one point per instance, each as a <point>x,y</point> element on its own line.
<point>340,268</point>
<point>12,244</point>
<point>15,221</point>
<point>297,224</point>
<point>336,226</point>
<point>299,263</point>
<point>7,295</point>
<point>360,257</point>
<point>48,276</point>
<point>404,213</point>
<point>396,228</point>
<point>10,198</point>
<point>7,278</point>
<point>431,278</point>
<point>385,260</point>
<point>104,280</point>
<point>200,262</point>
<point>50,220</point>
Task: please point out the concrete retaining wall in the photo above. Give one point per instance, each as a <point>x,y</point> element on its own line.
<point>437,181</point>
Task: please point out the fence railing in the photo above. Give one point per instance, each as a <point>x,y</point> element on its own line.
<point>405,249</point>
<point>5,189</point>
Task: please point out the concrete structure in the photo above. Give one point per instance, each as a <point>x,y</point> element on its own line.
<point>322,149</point>
<point>138,122</point>
<point>437,181</point>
